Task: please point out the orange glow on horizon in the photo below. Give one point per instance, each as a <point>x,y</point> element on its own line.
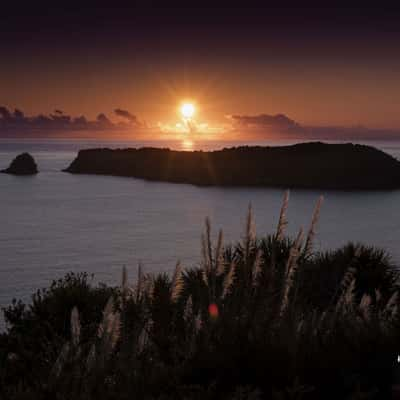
<point>187,128</point>
<point>187,145</point>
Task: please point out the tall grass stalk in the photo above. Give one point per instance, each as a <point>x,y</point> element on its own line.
<point>311,232</point>
<point>282,223</point>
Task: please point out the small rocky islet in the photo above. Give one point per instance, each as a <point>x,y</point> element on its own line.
<point>23,164</point>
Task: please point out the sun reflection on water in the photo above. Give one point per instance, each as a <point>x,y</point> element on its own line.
<point>187,145</point>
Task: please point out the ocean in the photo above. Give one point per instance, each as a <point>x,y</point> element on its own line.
<point>55,222</point>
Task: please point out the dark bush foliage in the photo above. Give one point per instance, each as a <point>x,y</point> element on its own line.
<point>262,319</point>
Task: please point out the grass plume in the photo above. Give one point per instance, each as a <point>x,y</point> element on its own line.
<point>257,311</point>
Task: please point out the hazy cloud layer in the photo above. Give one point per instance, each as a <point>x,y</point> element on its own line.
<point>263,126</point>
<point>241,127</point>
<point>15,122</point>
<point>127,115</point>
<point>278,121</point>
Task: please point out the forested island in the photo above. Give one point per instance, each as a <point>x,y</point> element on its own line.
<point>307,165</point>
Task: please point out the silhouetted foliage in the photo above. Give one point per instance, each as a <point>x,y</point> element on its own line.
<point>171,349</point>
<point>263,318</point>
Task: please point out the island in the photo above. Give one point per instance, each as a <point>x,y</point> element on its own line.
<point>319,165</point>
<point>23,164</point>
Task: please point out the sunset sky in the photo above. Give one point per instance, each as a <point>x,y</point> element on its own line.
<point>318,66</point>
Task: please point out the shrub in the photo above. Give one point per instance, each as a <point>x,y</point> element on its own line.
<point>264,318</point>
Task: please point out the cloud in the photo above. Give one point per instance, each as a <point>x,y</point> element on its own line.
<point>17,122</point>
<point>18,114</point>
<point>127,115</point>
<point>103,121</point>
<point>265,126</point>
<point>5,114</point>
<point>278,121</point>
<point>237,127</point>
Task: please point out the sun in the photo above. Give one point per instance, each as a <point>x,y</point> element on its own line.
<point>187,110</point>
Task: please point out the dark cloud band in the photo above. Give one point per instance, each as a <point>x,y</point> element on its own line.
<point>59,121</point>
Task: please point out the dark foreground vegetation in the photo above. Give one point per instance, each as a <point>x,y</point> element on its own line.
<point>306,165</point>
<point>23,164</point>
<point>266,318</point>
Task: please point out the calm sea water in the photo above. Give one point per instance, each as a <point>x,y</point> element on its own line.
<point>55,222</point>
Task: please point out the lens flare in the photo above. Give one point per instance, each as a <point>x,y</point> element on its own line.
<point>213,311</point>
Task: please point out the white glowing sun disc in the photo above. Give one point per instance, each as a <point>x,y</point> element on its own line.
<point>187,110</point>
